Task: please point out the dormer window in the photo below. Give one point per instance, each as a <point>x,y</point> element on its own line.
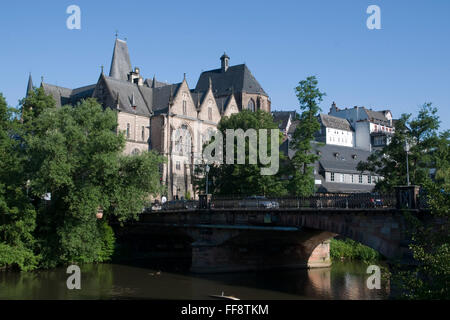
<point>354,156</point>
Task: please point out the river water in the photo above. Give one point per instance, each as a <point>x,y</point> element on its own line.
<point>344,280</point>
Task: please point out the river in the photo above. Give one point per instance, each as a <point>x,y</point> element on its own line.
<point>143,280</point>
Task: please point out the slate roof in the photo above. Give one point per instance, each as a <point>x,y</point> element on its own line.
<point>29,86</point>
<point>282,118</point>
<point>377,116</point>
<point>237,78</point>
<point>335,122</point>
<point>120,64</point>
<point>162,95</point>
<point>63,96</point>
<point>340,159</point>
<point>126,92</point>
<point>222,103</point>
<point>334,187</point>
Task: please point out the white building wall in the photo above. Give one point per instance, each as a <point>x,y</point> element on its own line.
<point>339,137</point>
<point>362,135</point>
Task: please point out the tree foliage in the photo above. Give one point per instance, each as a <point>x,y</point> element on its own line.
<point>429,163</point>
<point>17,215</point>
<point>421,134</point>
<point>309,97</point>
<point>74,154</point>
<point>243,179</point>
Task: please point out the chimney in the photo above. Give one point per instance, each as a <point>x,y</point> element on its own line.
<point>224,62</point>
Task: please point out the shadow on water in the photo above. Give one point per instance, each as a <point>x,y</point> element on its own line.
<point>171,279</point>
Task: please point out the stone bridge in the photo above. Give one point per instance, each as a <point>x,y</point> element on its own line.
<point>248,239</point>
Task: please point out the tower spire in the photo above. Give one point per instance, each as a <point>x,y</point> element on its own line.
<point>120,64</point>
<point>30,85</point>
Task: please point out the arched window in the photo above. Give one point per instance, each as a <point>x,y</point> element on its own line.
<point>251,105</point>
<point>182,140</point>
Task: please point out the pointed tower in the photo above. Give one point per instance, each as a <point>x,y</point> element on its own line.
<point>120,64</point>
<point>29,86</point>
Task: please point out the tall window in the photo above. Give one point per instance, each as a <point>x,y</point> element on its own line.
<point>369,179</point>
<point>251,105</point>
<point>360,178</point>
<point>177,165</point>
<point>128,131</point>
<point>184,107</point>
<point>342,177</point>
<point>210,114</point>
<point>332,176</point>
<point>143,133</point>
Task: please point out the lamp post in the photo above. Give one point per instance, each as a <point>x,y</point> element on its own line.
<point>407,163</point>
<point>207,171</point>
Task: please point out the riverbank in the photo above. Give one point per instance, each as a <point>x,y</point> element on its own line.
<point>349,250</point>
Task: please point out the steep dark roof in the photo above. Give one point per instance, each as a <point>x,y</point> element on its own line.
<point>162,96</point>
<point>377,116</point>
<point>63,96</point>
<point>340,159</point>
<point>222,103</point>
<point>237,78</point>
<point>120,64</point>
<point>198,97</point>
<point>127,91</point>
<point>282,118</point>
<point>344,187</point>
<point>335,122</point>
<point>29,86</point>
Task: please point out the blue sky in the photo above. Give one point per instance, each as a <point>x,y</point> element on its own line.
<point>399,67</point>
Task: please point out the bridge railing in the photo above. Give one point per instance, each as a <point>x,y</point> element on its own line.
<point>341,201</point>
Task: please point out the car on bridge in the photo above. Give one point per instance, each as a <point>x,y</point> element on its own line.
<point>258,202</point>
<point>180,205</point>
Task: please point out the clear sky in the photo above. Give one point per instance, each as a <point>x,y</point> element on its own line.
<point>399,67</point>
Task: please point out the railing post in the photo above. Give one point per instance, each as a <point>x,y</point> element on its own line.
<point>407,197</point>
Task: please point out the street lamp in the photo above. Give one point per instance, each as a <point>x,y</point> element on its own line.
<point>207,171</point>
<point>407,162</point>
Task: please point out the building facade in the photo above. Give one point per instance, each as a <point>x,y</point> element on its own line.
<point>172,119</point>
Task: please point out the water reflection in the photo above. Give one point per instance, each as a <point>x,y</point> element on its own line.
<point>143,281</point>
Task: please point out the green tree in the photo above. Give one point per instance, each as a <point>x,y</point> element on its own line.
<point>243,179</point>
<point>309,97</point>
<point>421,133</point>
<point>429,152</point>
<point>17,215</point>
<point>76,156</point>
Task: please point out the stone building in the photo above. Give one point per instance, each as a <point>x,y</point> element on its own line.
<point>373,129</point>
<point>169,118</point>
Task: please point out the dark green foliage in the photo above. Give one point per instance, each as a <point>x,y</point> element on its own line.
<point>243,179</point>
<point>302,172</point>
<point>17,215</point>
<point>77,157</point>
<point>75,154</point>
<point>390,162</point>
<point>429,151</point>
<point>351,250</point>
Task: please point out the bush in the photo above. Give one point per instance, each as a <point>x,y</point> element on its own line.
<point>348,249</point>
<point>17,257</point>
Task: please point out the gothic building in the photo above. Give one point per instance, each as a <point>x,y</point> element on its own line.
<point>169,118</point>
